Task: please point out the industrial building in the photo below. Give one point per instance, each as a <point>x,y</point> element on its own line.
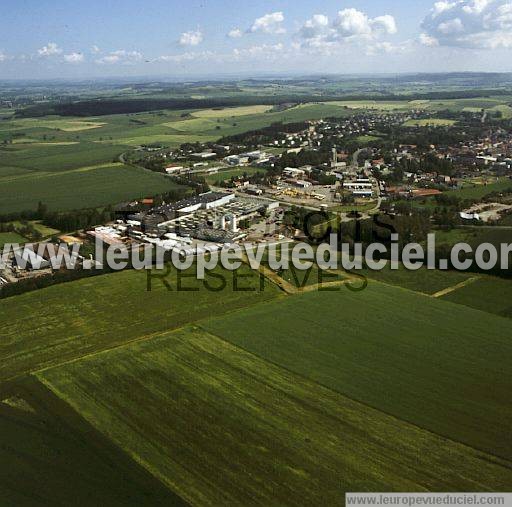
<point>167,212</point>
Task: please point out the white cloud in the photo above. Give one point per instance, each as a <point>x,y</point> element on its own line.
<point>477,7</point>
<point>352,22</point>
<point>204,56</point>
<point>351,26</point>
<point>95,49</point>
<point>385,23</point>
<point>264,51</point>
<point>192,38</point>
<point>3,56</point>
<point>120,57</point>
<point>426,40</point>
<point>440,7</point>
<point>270,23</point>
<point>236,33</point>
<point>477,24</point>
<point>451,26</point>
<point>74,58</point>
<point>315,27</point>
<point>388,48</point>
<point>50,49</point>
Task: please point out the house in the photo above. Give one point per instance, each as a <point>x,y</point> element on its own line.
<point>174,169</point>
<point>292,172</point>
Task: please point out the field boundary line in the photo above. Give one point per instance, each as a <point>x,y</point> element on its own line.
<point>142,338</point>
<point>500,460</point>
<point>456,287</point>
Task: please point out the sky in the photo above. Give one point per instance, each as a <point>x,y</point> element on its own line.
<point>46,39</point>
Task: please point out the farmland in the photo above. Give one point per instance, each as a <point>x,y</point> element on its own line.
<point>50,145</point>
<point>423,280</point>
<point>68,320</point>
<point>430,122</point>
<point>489,294</point>
<point>231,112</point>
<point>53,157</point>
<point>297,442</point>
<point>415,367</point>
<point>247,388</point>
<point>50,455</point>
<point>80,188</point>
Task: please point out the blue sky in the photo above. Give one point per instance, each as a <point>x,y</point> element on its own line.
<point>64,38</point>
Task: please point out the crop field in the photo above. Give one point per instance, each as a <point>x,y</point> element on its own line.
<point>297,442</point>
<point>10,237</point>
<point>56,123</point>
<point>423,280</point>
<point>54,158</point>
<point>52,144</point>
<point>43,147</point>
<point>493,295</point>
<point>68,320</point>
<point>51,455</point>
<point>401,352</point>
<point>231,112</point>
<point>430,122</point>
<point>80,188</point>
<point>12,171</point>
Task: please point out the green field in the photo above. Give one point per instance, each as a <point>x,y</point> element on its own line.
<point>231,111</point>
<point>51,144</point>
<point>268,399</point>
<point>52,325</point>
<point>430,122</point>
<point>80,188</point>
<point>222,427</point>
<point>367,139</point>
<point>51,456</point>
<point>493,295</point>
<point>51,147</point>
<point>423,280</point>
<point>11,237</point>
<point>54,158</point>
<point>435,364</point>
<point>477,191</point>
<point>56,123</point>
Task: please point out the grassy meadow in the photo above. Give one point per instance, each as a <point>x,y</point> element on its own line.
<point>10,237</point>
<point>480,189</point>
